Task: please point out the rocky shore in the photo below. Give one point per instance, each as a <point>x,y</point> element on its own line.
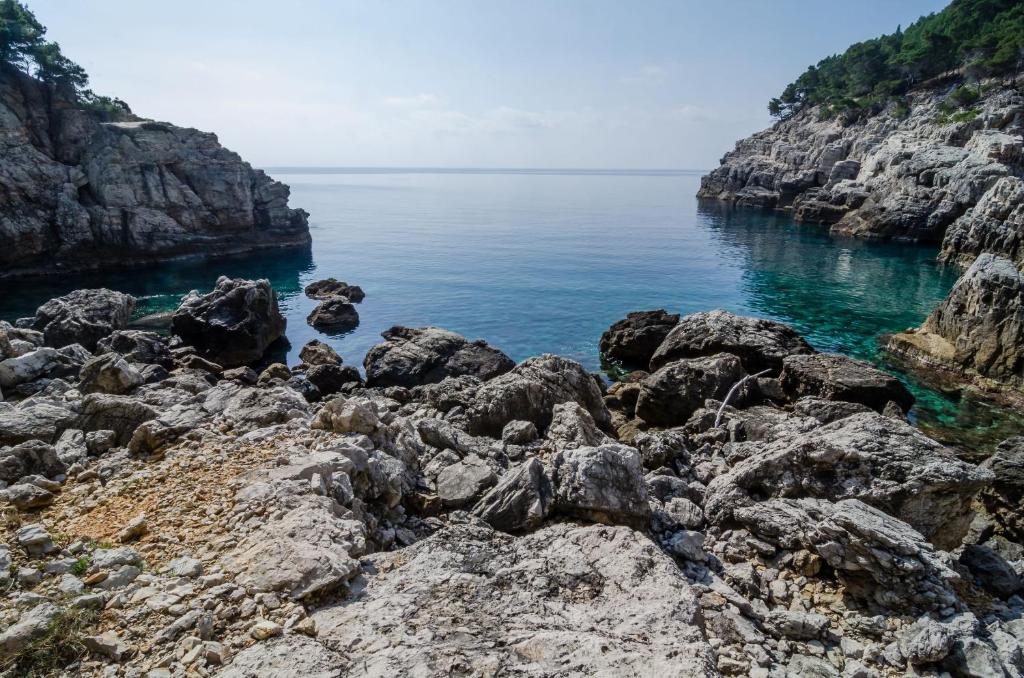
<point>916,171</point>
<point>83,190</point>
<point>737,504</point>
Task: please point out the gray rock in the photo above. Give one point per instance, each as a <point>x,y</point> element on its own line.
<point>35,420</point>
<point>520,501</point>
<point>827,411</point>
<point>316,352</point>
<point>232,325</point>
<point>796,625</point>
<point>117,413</point>
<point>291,656</point>
<point>518,433</point>
<point>634,339</point>
<point>759,344</point>
<point>925,641</point>
<point>670,395</point>
<point>604,484</point>
<point>836,377</point>
<point>30,457</point>
<point>330,379</point>
<point>348,415</point>
<point>334,314</point>
<point>412,357</point>
<point>1004,497</point>
<point>83,317</point>
<point>32,624</point>
<point>331,287</point>
<point>463,481</point>
<point>571,427</point>
<point>41,363</point>
<point>109,373</point>
<point>530,391</point>
<point>878,460</point>
<point>540,603</point>
<point>137,346</point>
<point>26,496</point>
<point>35,540</point>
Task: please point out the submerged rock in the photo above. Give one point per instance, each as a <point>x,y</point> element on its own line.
<point>413,357</point>
<point>234,324</point>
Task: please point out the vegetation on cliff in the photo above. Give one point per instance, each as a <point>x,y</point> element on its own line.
<point>23,47</point>
<point>970,38</point>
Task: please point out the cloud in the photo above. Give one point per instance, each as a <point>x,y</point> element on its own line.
<point>422,100</point>
<point>650,74</point>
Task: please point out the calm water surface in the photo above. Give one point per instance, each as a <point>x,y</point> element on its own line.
<point>544,261</point>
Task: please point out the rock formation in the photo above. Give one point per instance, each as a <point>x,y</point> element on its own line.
<point>80,191</point>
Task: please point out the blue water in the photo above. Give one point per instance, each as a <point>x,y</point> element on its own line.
<point>544,261</point>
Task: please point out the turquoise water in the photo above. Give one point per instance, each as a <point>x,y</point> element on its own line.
<point>545,261</point>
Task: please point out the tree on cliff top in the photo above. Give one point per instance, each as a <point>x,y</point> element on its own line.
<point>24,47</point>
<point>969,37</point>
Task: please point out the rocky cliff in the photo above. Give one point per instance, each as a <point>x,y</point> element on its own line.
<point>912,173</point>
<point>79,190</point>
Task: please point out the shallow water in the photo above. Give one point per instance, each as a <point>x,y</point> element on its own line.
<point>544,261</point>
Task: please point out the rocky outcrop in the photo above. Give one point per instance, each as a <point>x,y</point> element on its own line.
<point>416,356</point>
<point>634,339</point>
<point>836,377</point>
<point>889,175</point>
<point>79,191</point>
<point>232,325</point>
<point>83,317</point>
<point>977,331</point>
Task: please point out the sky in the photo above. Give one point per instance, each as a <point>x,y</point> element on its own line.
<point>463,83</point>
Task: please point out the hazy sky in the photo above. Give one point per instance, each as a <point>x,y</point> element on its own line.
<point>490,83</point>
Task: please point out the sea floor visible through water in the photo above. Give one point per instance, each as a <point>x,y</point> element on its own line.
<point>537,261</point>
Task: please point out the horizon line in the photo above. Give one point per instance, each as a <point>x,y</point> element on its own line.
<point>361,169</point>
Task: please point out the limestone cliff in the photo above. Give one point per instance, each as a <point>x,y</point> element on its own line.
<point>911,173</point>
<point>79,190</point>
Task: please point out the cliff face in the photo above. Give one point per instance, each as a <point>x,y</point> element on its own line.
<point>913,177</point>
<point>78,192</point>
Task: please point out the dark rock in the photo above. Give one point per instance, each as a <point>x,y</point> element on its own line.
<point>520,501</point>
<point>519,433</point>
<point>83,317</point>
<point>317,352</point>
<point>117,413</point>
<point>325,289</point>
<point>234,324</point>
<point>30,457</point>
<point>827,411</point>
<point>634,339</point>
<point>990,570</point>
<point>137,346</point>
<point>836,377</point>
<point>329,379</point>
<point>678,389</point>
<point>109,373</point>
<point>334,314</point>
<point>759,344</point>
<point>530,392</point>
<point>412,357</point>
<point>1006,495</point>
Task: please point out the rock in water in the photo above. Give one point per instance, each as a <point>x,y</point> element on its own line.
<point>536,604</point>
<point>334,314</point>
<point>84,191</point>
<point>759,344</point>
<point>427,355</point>
<point>634,339</point>
<point>83,317</point>
<point>325,289</point>
<point>836,377</point>
<point>977,330</point>
<point>234,324</point>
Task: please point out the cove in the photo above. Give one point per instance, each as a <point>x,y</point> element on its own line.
<point>540,261</point>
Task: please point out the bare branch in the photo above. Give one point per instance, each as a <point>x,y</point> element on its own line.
<point>732,391</point>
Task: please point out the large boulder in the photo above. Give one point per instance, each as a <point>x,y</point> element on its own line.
<point>678,389</point>
<point>565,600</point>
<point>520,501</point>
<point>234,324</point>
<point>634,339</point>
<point>759,344</point>
<point>530,392</point>
<point>42,363</point>
<point>109,373</point>
<point>427,355</point>
<point>1004,498</point>
<point>334,314</point>
<point>35,420</point>
<point>604,484</point>
<point>83,317</point>
<point>137,346</point>
<point>836,377</point>
<point>881,461</point>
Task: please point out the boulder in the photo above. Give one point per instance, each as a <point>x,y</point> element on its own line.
<point>878,460</point>
<point>571,427</point>
<point>584,601</point>
<point>42,363</point>
<point>990,570</point>
<point>317,352</point>
<point>334,314</point>
<point>759,344</point>
<point>604,484</point>
<point>926,641</point>
<point>836,377</point>
<point>137,346</point>
<point>464,481</point>
<point>330,287</point>
<point>412,357</point>
<point>83,317</point>
<point>520,501</point>
<point>1004,498</point>
<point>329,379</point>
<point>530,391</point>
<point>519,433</point>
<point>234,324</point>
<point>109,373</point>
<point>117,413</point>
<point>35,420</point>
<point>348,415</point>
<point>31,625</point>
<point>670,395</point>
<point>27,458</point>
<point>634,339</point>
